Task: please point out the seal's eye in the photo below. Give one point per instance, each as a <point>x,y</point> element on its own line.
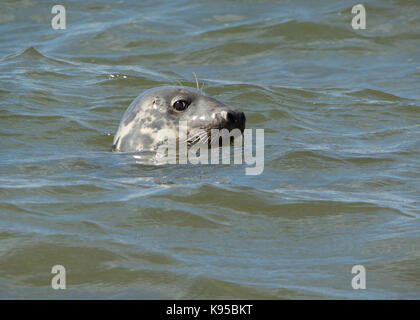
<point>181,105</point>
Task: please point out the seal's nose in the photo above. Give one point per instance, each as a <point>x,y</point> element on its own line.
<point>235,118</point>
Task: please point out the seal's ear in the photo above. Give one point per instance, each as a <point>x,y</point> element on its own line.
<point>155,103</point>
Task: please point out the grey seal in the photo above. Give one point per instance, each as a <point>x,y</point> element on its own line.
<point>163,108</point>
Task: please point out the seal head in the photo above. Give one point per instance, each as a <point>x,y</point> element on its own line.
<point>163,108</point>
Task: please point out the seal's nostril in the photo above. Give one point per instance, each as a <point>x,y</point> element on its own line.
<point>230,117</point>
<point>233,117</point>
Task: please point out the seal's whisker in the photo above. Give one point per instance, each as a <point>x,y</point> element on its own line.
<point>196,81</point>
<point>213,140</point>
<point>197,135</point>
